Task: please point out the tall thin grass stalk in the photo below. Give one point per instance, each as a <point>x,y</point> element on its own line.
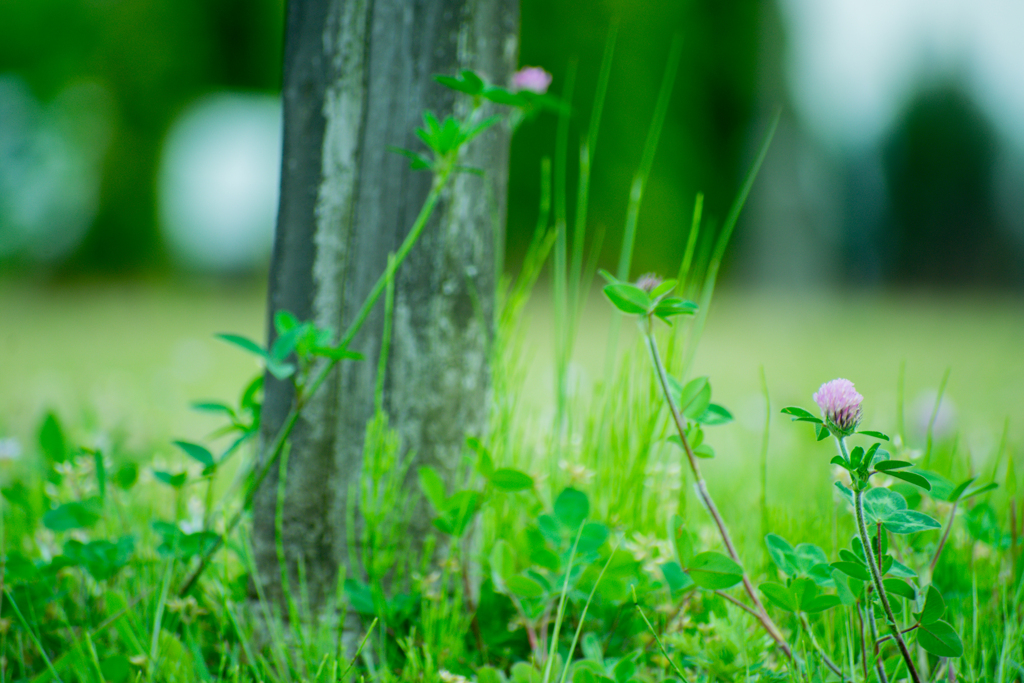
<point>683,277</point>
<point>935,414</point>
<point>636,191</point>
<point>942,541</point>
<point>563,308</point>
<point>579,279</point>
<point>1002,449</point>
<point>691,243</point>
<point>560,612</point>
<point>359,650</point>
<point>722,241</point>
<point>679,672</point>
<point>822,652</point>
<point>583,616</point>
<point>158,618</point>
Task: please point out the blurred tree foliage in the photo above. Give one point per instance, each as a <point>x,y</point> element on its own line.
<point>154,57</point>
<point>157,56</point>
<point>939,167</point>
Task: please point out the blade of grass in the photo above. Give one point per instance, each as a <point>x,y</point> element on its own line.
<point>560,613</point>
<point>647,160</point>
<point>158,617</point>
<point>679,672</point>
<point>711,275</point>
<point>583,616</point>
<point>636,192</point>
<point>691,244</point>
<point>577,294</point>
<point>935,414</point>
<point>683,276</point>
<point>359,650</point>
<point>32,635</point>
<point>561,264</point>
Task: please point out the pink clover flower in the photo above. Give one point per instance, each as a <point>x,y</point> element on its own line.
<point>840,406</point>
<point>532,79</point>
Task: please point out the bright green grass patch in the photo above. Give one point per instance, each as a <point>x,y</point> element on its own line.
<point>120,365</point>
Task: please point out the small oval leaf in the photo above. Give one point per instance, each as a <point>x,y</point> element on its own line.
<point>857,571</point>
<point>198,453</point>
<point>940,639</point>
<point>911,478</point>
<point>571,508</point>
<point>714,571</point>
<point>243,343</point>
<point>628,298</point>
<point>780,596</point>
<point>511,480</point>
<point>934,606</point>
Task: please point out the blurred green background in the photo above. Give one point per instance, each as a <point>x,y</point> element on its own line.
<point>139,153</point>
<point>899,160</point>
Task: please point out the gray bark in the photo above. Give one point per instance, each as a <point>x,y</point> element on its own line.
<point>357,77</point>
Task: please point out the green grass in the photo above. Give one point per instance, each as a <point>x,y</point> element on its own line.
<point>123,356</point>
<point>119,364</point>
<point>134,355</point>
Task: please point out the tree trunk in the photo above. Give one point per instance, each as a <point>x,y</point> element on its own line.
<point>357,77</point>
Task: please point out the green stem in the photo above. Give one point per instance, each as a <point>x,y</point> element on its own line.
<point>876,577</point>
<point>440,181</point>
<point>879,664</point>
<point>583,615</point>
<point>158,618</point>
<point>942,541</point>
<point>887,638</point>
<point>709,503</point>
<point>741,605</point>
<point>679,672</point>
<point>560,613</point>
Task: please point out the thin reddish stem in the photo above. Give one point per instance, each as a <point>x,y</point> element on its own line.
<point>760,612</point>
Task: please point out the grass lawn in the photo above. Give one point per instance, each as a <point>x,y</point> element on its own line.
<point>131,356</point>
<point>122,361</point>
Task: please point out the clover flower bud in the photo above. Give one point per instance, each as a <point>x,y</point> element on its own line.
<point>648,282</point>
<point>840,406</point>
<point>531,78</point>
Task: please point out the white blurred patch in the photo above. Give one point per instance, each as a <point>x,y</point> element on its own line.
<point>51,159</point>
<point>10,448</point>
<point>191,360</point>
<point>219,181</point>
<point>922,409</point>
<point>750,413</point>
<point>852,65</point>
